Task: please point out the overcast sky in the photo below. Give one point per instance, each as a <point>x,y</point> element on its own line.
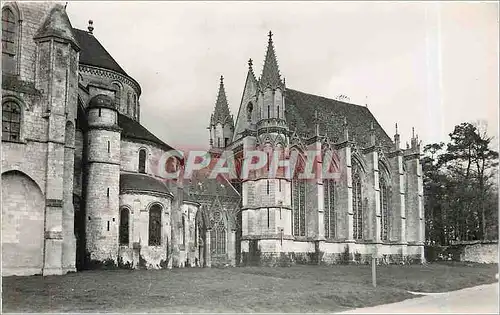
<point>426,65</point>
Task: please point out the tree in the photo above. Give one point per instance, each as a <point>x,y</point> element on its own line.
<point>458,186</point>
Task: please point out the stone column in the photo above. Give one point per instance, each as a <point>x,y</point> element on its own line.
<point>208,250</point>
<point>232,248</point>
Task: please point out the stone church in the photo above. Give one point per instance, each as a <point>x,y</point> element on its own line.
<point>80,183</point>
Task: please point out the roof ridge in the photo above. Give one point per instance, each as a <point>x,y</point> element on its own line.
<point>326,98</point>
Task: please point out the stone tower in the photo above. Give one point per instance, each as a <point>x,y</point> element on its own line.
<point>221,122</point>
<point>266,208</point>
<point>103,171</point>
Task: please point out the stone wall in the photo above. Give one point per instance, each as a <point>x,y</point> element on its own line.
<point>485,252</point>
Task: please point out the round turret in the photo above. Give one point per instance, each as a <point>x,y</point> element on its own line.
<point>101,111</point>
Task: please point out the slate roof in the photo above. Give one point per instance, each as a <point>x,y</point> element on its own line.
<point>133,130</point>
<point>101,100</point>
<point>94,54</point>
<point>300,115</point>
<point>141,182</point>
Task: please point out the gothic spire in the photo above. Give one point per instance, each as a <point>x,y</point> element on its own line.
<point>221,112</point>
<point>270,73</point>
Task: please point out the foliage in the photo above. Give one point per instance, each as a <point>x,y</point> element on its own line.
<point>460,188</point>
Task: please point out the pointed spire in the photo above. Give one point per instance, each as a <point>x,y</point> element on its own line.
<point>397,141</point>
<point>221,112</point>
<point>316,121</point>
<point>270,73</point>
<point>372,134</point>
<point>250,69</point>
<point>346,129</point>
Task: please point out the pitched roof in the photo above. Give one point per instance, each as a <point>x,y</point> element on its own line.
<point>141,182</point>
<point>221,112</point>
<point>270,72</point>
<point>94,54</point>
<point>57,24</point>
<point>300,114</point>
<point>133,130</point>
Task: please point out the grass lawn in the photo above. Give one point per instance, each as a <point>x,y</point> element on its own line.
<point>245,289</point>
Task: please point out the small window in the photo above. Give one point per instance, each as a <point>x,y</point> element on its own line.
<point>11,121</point>
<point>226,142</point>
<point>183,231</point>
<point>124,227</point>
<point>278,112</point>
<point>142,161</point>
<point>249,111</point>
<point>155,225</point>
<point>268,111</point>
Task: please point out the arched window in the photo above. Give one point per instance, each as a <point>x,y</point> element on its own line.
<point>142,161</point>
<point>134,105</point>
<point>155,225</point>
<point>124,227</point>
<point>218,235</point>
<point>298,204</point>
<point>118,92</point>
<point>11,121</point>
<point>329,203</point>
<point>357,204</point>
<point>129,103</point>
<point>9,41</point>
<point>384,210</point>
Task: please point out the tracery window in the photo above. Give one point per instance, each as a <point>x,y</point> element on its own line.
<point>155,225</point>
<point>357,205</point>
<point>218,235</point>
<point>298,206</point>
<point>329,203</point>
<point>142,161</point>
<point>384,209</point>
<point>9,41</point>
<point>11,121</point>
<point>124,227</point>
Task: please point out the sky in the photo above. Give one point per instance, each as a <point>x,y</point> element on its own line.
<point>418,64</point>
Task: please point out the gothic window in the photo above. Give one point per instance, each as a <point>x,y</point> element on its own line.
<point>218,235</point>
<point>357,205</point>
<point>155,225</point>
<point>142,161</point>
<point>124,227</point>
<point>298,206</point>
<point>268,111</point>
<point>11,121</point>
<point>329,203</point>
<point>9,41</point>
<point>384,209</point>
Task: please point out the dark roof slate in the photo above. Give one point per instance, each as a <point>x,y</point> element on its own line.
<point>94,54</point>
<point>141,182</point>
<point>300,114</point>
<point>133,130</point>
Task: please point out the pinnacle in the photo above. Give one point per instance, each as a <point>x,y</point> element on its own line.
<point>221,112</point>
<point>270,73</point>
